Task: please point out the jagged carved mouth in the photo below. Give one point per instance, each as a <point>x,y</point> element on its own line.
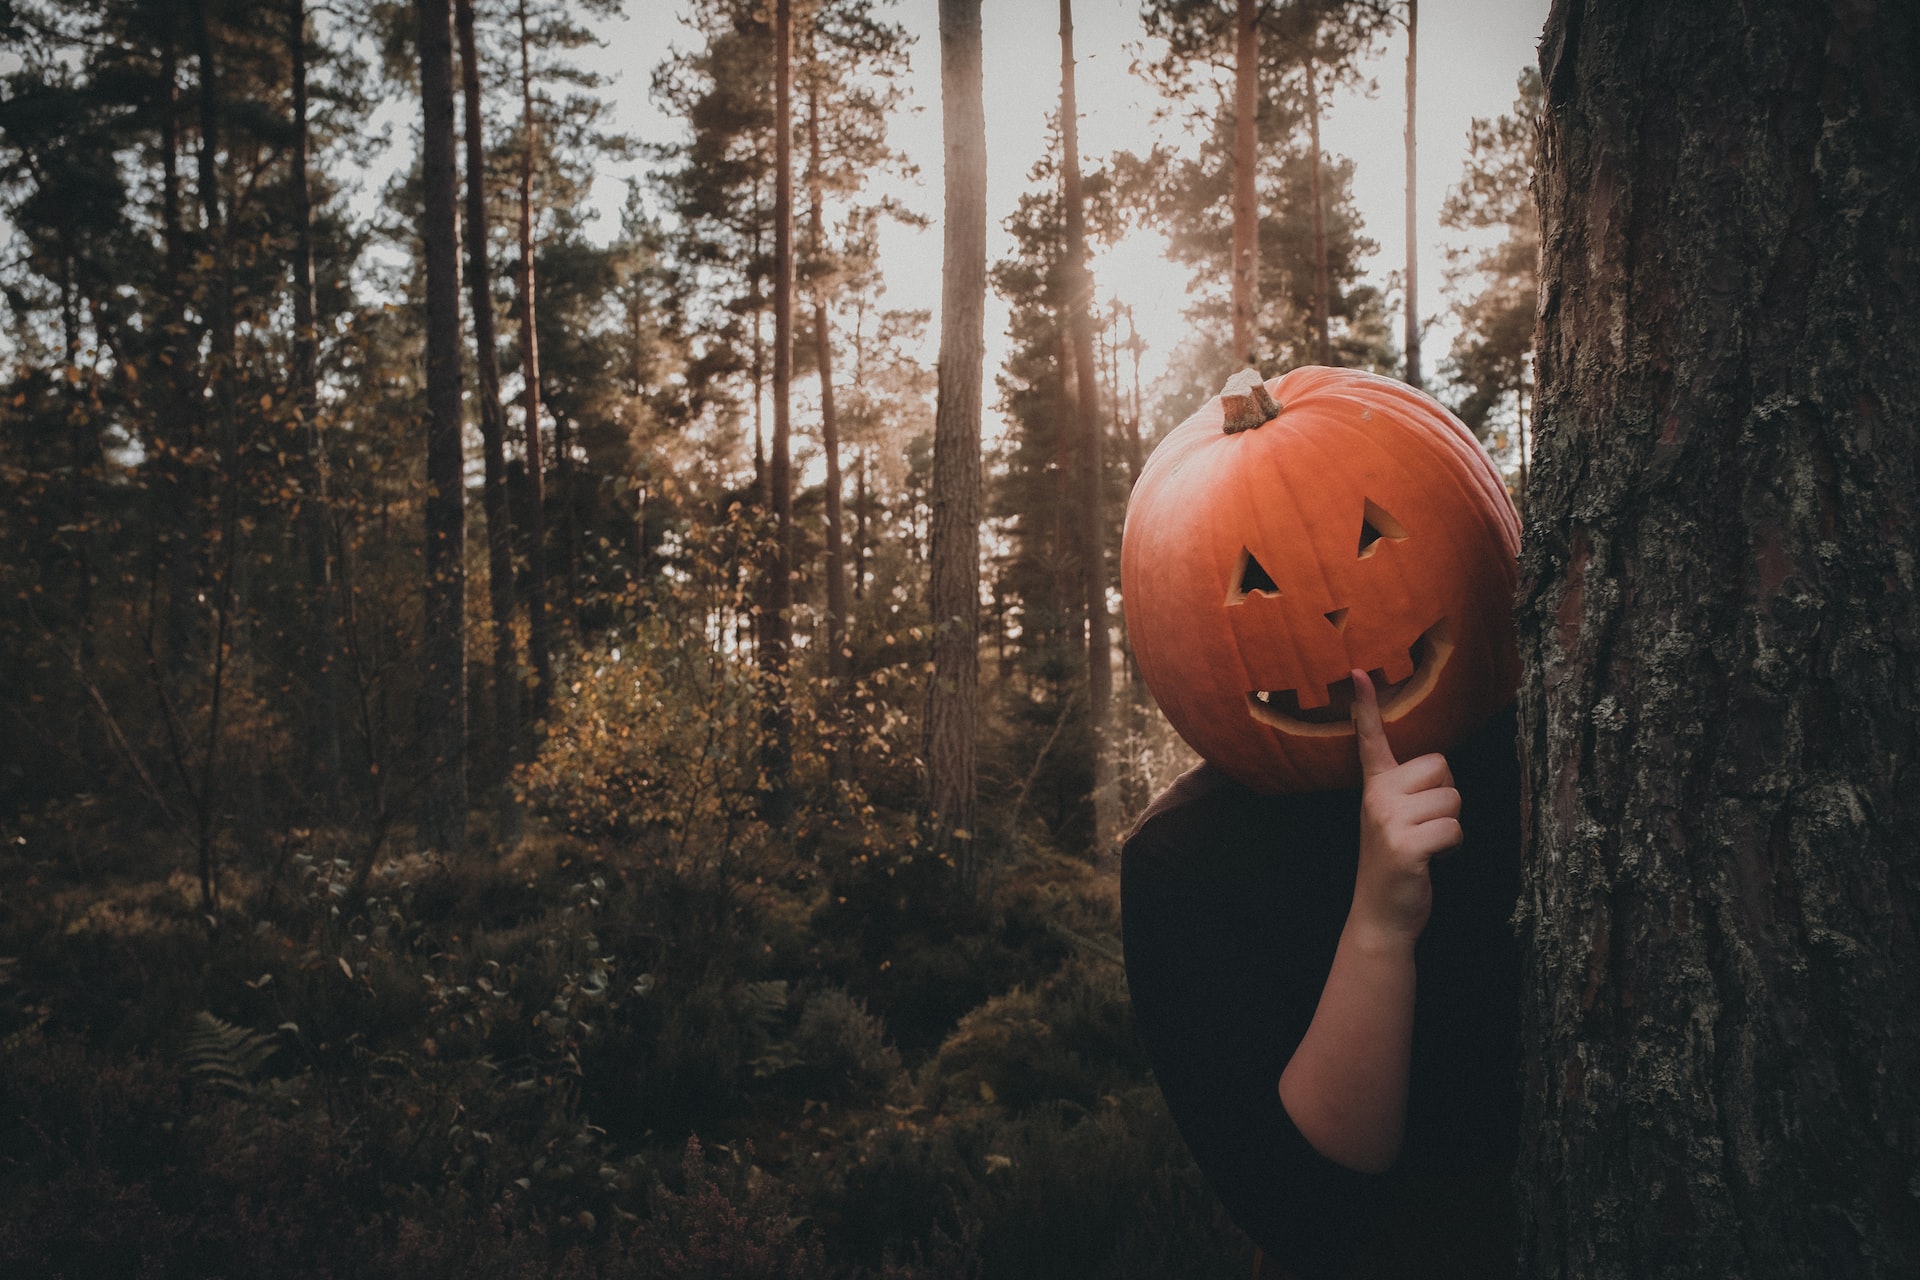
<point>1281,708</point>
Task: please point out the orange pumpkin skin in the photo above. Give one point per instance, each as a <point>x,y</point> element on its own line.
<point>1388,542</point>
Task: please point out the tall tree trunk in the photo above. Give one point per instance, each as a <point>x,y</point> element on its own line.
<point>777,642</point>
<point>181,515</point>
<point>1721,626</point>
<point>839,758</point>
<point>494,500</point>
<point>1414,377</point>
<point>1246,155</point>
<point>953,587</point>
<point>569,517</point>
<point>1136,448</point>
<point>323,648</point>
<point>862,503</point>
<point>220,323</point>
<point>1322,289</point>
<point>1062,529</point>
<point>539,616</point>
<point>860,496</point>
<point>83,474</point>
<point>759,362</point>
<point>443,701</point>
<point>220,373</point>
<point>1092,533</point>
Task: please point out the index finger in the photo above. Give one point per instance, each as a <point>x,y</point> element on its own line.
<point>1376,753</point>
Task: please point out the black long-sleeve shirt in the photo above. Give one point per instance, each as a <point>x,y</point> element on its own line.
<point>1232,904</point>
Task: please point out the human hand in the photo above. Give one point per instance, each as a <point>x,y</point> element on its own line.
<point>1409,814</point>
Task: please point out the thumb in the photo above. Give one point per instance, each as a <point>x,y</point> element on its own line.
<point>1376,753</point>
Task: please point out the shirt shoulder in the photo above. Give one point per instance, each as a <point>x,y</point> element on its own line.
<point>1190,788</point>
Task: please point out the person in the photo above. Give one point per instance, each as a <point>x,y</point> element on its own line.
<point>1326,984</point>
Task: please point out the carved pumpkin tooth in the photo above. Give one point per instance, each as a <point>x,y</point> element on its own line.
<point>1312,697</point>
<point>1399,667</point>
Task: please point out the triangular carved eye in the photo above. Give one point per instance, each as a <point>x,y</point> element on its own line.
<point>1254,577</point>
<point>1376,524</point>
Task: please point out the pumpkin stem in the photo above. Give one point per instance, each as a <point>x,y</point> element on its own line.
<point>1247,402</point>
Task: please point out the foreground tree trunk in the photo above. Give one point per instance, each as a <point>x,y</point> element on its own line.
<point>1722,635</point>
<point>953,591</point>
<point>443,694</point>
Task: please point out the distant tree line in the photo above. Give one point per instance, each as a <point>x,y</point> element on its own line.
<point>322,498</point>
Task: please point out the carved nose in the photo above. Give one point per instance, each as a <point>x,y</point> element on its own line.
<point>1338,618</point>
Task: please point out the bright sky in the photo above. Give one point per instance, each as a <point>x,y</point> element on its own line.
<point>1471,52</point>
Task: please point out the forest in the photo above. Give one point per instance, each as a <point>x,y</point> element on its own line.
<point>540,748</point>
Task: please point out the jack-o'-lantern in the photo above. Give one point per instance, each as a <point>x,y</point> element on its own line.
<point>1294,531</point>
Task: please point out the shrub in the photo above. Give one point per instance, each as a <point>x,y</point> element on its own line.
<point>660,736</point>
<point>836,1052</point>
<point>745,1230</point>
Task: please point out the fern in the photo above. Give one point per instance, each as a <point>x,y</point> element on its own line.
<point>763,1005</point>
<point>221,1056</point>
<point>762,1009</point>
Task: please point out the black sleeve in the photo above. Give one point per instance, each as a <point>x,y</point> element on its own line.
<point>1227,949</point>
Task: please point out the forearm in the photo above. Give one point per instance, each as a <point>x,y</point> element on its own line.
<point>1346,1085</point>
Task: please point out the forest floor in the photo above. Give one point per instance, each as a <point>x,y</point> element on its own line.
<point>562,1056</point>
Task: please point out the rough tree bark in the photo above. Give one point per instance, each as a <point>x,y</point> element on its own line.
<point>1721,708</point>
<point>493,415</point>
<point>1092,534</point>
<point>954,524</point>
<point>1246,155</point>
<point>443,694</point>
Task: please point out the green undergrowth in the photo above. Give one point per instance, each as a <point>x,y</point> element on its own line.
<point>580,1055</point>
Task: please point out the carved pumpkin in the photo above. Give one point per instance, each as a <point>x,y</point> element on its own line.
<point>1363,527</point>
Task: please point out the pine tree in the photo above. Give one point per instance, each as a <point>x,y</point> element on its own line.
<point>1306,284</point>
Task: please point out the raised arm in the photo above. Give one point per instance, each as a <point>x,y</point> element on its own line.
<point>1346,1085</point>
